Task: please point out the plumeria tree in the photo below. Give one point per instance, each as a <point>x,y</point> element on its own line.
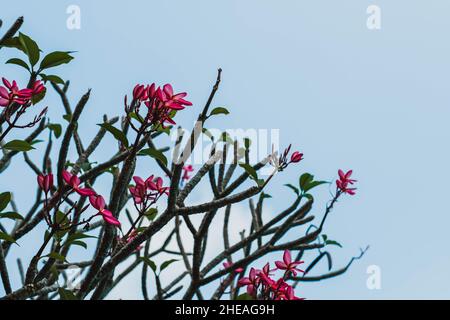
<point>137,208</point>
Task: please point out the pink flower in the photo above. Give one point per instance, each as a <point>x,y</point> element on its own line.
<point>98,203</point>
<point>287,264</point>
<point>11,92</point>
<point>344,181</point>
<point>45,182</point>
<point>186,170</point>
<point>228,264</point>
<point>74,182</point>
<point>282,162</point>
<point>38,87</point>
<point>296,157</point>
<point>146,193</point>
<point>252,282</point>
<point>140,92</point>
<point>160,103</point>
<point>171,100</point>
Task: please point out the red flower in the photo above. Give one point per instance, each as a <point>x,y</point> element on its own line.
<point>12,93</point>
<point>344,181</point>
<point>287,264</point>
<point>140,92</point>
<point>45,182</point>
<point>252,282</point>
<point>147,192</point>
<point>186,170</point>
<point>98,203</point>
<point>160,102</point>
<point>296,157</point>
<point>74,182</point>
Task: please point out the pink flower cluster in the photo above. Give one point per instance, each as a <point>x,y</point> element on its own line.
<point>160,103</point>
<point>45,182</point>
<point>147,192</point>
<point>283,162</point>
<point>262,286</point>
<point>10,93</point>
<point>344,182</point>
<point>95,199</point>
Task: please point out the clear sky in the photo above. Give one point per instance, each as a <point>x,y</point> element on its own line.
<point>375,101</point>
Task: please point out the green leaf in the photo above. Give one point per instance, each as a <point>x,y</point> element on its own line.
<point>52,78</point>
<point>330,242</point>
<point>73,238</point>
<point>13,43</point>
<point>54,59</point>
<point>244,296</point>
<point>56,128</point>
<point>65,294</point>
<point>7,237</point>
<point>250,170</point>
<point>265,195</point>
<point>18,62</point>
<point>313,184</point>
<point>18,145</point>
<point>219,110</point>
<point>11,215</point>
<point>67,117</point>
<point>167,263</point>
<point>149,263</point>
<point>79,243</point>
<point>118,134</point>
<point>293,188</point>
<point>156,154</point>
<point>30,48</point>
<point>5,198</point>
<point>304,180</point>
<point>36,141</point>
<point>151,214</point>
<point>56,256</point>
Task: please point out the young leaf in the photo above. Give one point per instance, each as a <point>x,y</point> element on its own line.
<point>56,256</point>
<point>5,198</point>
<point>54,59</point>
<point>293,188</point>
<point>11,215</point>
<point>118,134</point>
<point>219,110</point>
<point>250,170</point>
<point>52,78</point>
<point>18,145</point>
<point>18,62</point>
<point>156,154</point>
<point>56,128</point>
<point>167,263</point>
<point>151,214</point>
<point>30,48</point>
<point>330,242</point>
<point>6,237</point>
<point>149,262</point>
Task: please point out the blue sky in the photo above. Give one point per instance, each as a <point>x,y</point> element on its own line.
<point>375,101</point>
